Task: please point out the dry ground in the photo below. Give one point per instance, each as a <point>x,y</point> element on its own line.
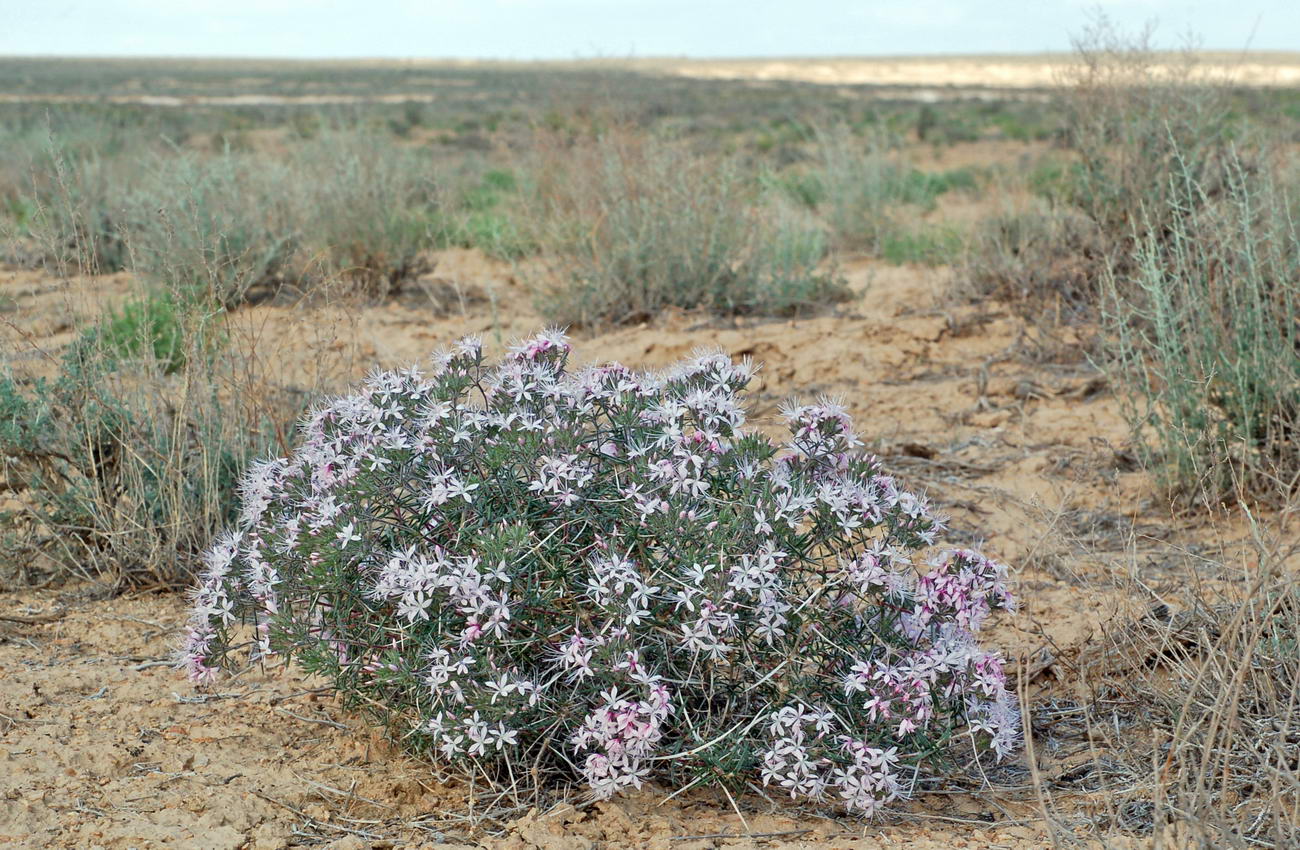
<point>104,745</point>
<point>922,78</point>
<point>1254,68</point>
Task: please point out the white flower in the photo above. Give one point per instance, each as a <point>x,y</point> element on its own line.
<point>347,534</point>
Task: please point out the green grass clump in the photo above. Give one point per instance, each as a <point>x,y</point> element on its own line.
<point>20,211</point>
<point>924,245</point>
<point>494,233</point>
<point>151,324</point>
<point>923,188</point>
<point>486,216</point>
<point>803,188</point>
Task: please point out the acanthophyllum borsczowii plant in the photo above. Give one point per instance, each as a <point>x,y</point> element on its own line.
<point>603,574</point>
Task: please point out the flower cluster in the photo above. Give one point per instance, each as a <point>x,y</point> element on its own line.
<point>624,734</point>
<point>806,759</point>
<point>605,575</point>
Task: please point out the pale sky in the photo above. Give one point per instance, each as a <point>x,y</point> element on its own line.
<point>567,29</point>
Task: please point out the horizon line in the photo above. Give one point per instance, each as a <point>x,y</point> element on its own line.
<point>633,58</point>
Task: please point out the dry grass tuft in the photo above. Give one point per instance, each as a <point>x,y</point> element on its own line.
<point>1190,731</point>
<point>635,224</point>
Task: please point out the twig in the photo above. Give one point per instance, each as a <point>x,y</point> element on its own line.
<point>722,835</point>
<point>30,621</point>
<point>339,792</point>
<point>204,699</point>
<point>127,619</point>
<point>320,720</point>
<point>284,697</point>
<point>311,820</point>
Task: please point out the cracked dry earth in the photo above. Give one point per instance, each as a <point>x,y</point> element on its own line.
<point>104,745</point>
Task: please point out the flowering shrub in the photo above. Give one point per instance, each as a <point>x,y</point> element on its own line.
<point>603,574</point>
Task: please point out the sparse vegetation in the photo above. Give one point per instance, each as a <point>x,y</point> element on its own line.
<point>1193,718</point>
<point>1138,125</point>
<point>861,188</point>
<point>236,224</point>
<point>1127,335</point>
<point>123,465</point>
<point>636,225</point>
<point>1203,323</point>
<point>1038,257</point>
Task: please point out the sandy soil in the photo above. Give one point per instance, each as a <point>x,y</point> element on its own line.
<point>990,72</point>
<point>104,745</point>
<point>921,78</point>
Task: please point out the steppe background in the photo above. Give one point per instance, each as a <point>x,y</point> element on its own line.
<point>984,384</point>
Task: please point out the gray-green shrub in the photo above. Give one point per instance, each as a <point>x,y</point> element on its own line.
<point>222,225</point>
<point>1137,123</point>
<point>365,207</point>
<point>865,193</point>
<point>123,465</point>
<point>343,207</point>
<point>1203,324</point>
<point>634,225</point>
